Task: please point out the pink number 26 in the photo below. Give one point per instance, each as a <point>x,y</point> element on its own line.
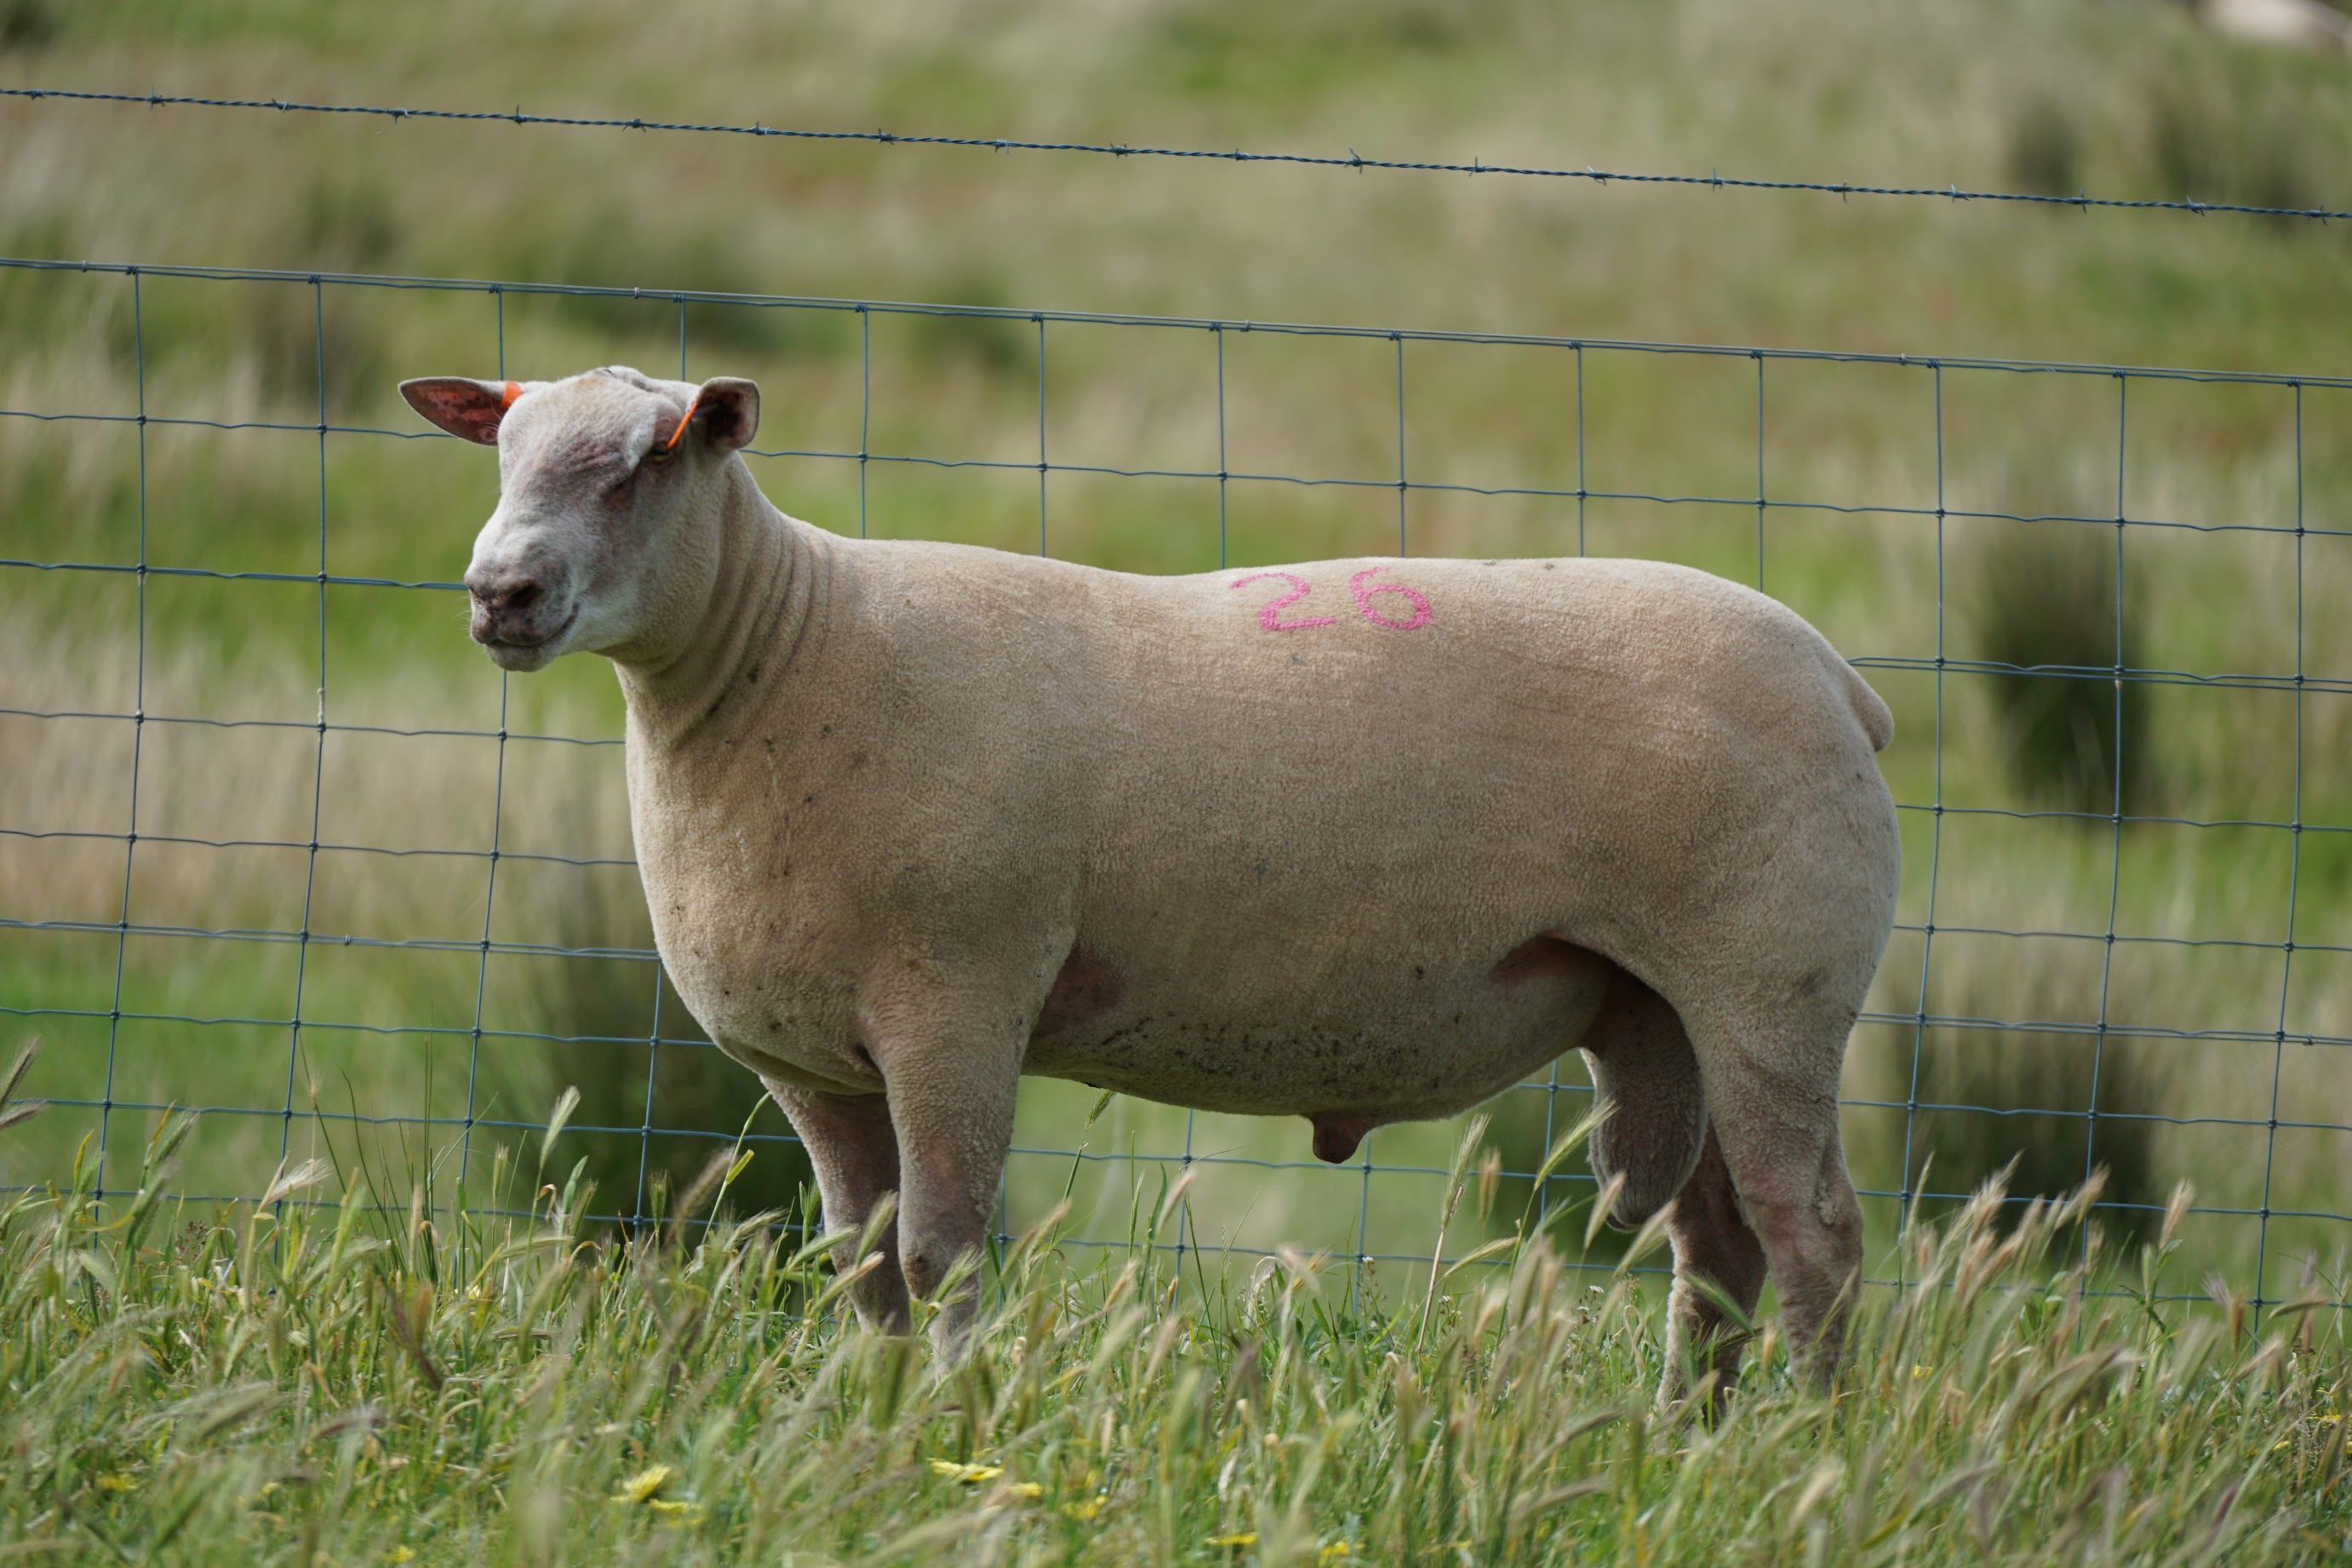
<point>1270,617</point>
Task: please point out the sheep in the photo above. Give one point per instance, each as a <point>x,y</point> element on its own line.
<point>1365,841</point>
<point>2308,24</point>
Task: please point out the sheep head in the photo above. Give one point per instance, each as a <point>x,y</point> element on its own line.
<point>610,491</point>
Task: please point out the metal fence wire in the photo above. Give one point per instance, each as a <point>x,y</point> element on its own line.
<point>2122,694</point>
<point>1355,161</point>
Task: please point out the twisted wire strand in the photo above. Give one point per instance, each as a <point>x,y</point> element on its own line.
<point>1712,180</point>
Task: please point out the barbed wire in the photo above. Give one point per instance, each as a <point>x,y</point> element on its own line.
<point>1712,180</point>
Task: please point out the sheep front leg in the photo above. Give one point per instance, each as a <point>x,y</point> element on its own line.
<point>855,1153</point>
<point>951,1104</point>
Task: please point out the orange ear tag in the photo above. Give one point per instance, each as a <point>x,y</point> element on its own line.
<point>684,419</point>
<point>507,397</point>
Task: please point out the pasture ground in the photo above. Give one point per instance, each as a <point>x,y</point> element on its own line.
<point>278,1383</point>
<point>189,1381</point>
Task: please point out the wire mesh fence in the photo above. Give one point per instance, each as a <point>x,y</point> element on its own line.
<point>275,845</point>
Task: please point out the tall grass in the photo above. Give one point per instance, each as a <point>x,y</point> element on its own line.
<point>325,1375</point>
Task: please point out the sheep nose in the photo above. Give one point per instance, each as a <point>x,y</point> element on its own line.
<point>510,594</point>
<point>506,605</point>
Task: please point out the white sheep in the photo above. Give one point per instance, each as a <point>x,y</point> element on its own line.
<point>2309,23</point>
<point>1363,841</point>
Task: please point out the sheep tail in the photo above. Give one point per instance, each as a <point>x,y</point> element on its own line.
<point>1877,720</point>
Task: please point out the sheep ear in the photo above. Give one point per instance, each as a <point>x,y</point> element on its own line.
<point>728,407</point>
<point>461,405</point>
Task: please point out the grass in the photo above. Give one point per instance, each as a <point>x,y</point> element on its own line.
<point>472,1378</point>
<point>413,1354</point>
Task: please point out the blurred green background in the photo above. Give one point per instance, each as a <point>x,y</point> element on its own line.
<point>2125,97</point>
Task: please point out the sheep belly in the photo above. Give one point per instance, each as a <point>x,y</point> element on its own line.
<point>1393,1044</point>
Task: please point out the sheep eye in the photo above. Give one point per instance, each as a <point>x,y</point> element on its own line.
<point>659,455</point>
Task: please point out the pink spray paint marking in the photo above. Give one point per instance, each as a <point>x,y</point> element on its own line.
<point>1270,617</point>
<point>1364,601</point>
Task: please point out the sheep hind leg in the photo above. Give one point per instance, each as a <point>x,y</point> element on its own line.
<point>1774,1088</point>
<point>1719,1274</point>
<point>1644,1071</point>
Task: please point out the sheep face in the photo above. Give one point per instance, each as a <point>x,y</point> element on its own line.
<point>606,533</point>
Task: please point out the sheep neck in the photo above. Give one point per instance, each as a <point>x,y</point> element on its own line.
<point>767,579</point>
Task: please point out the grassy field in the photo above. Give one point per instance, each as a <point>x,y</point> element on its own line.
<point>370,1384</point>
<point>2195,1024</point>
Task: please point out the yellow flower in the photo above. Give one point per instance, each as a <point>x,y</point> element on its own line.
<point>398,1555</point>
<point>642,1486</point>
<point>969,1475</point>
<point>1083,1512</point>
<point>117,1483</point>
<point>1029,1490</point>
<point>674,1512</point>
<point>1239,1541</point>
<point>1333,1553</point>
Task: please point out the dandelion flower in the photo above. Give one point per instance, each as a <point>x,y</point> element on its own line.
<point>643,1487</point>
<point>1084,1510</point>
<point>1333,1553</point>
<point>117,1483</point>
<point>969,1475</point>
<point>1240,1540</point>
<point>1029,1490</point>
<point>672,1512</point>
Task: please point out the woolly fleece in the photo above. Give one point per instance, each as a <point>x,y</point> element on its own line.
<point>915,819</point>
